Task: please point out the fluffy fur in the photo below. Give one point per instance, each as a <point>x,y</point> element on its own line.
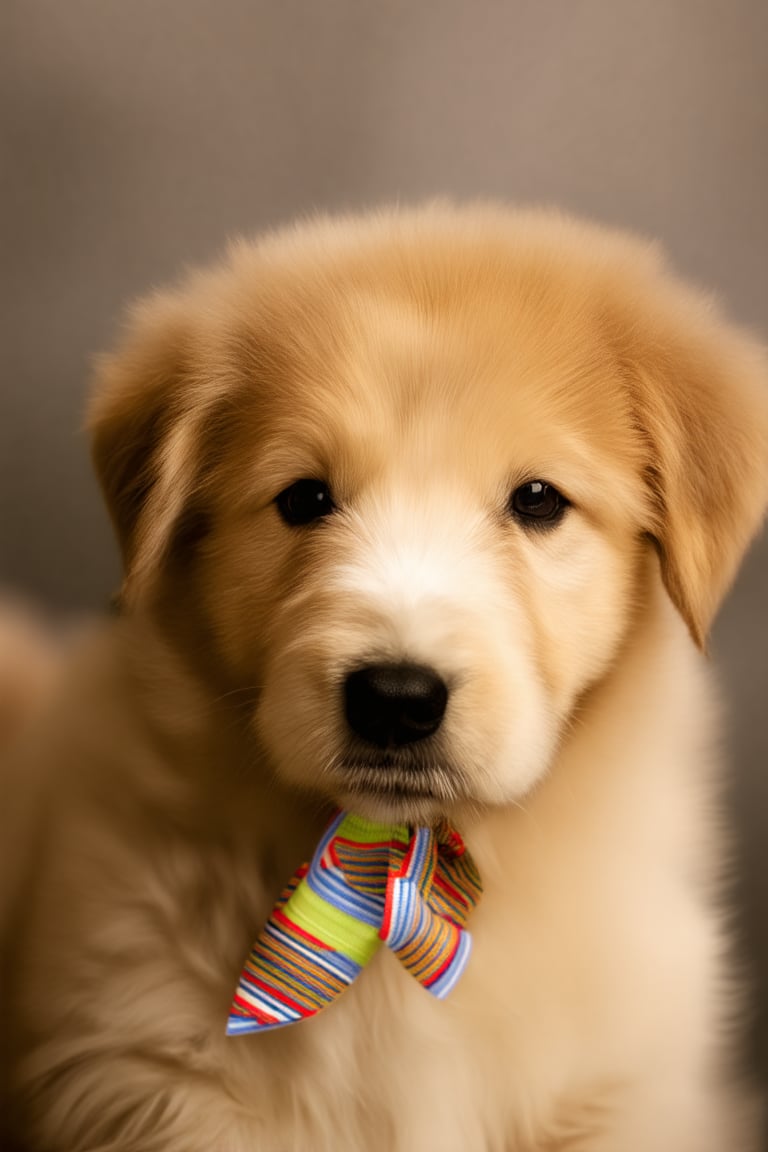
<point>424,364</point>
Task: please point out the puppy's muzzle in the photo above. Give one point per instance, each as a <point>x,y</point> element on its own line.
<point>389,705</point>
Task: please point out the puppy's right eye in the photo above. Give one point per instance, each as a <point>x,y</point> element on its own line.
<point>305,501</point>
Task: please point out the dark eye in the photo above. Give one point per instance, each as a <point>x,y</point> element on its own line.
<point>305,501</point>
<point>537,503</point>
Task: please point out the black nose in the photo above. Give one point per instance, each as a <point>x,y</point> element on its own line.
<point>392,704</point>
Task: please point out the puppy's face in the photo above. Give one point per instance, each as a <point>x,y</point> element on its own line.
<point>421,482</point>
<point>426,553</point>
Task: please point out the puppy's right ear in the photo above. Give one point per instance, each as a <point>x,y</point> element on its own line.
<point>142,440</point>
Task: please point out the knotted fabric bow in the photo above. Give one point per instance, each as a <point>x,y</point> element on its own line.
<point>367,883</point>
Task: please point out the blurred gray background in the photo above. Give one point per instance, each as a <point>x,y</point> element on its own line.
<point>137,135</point>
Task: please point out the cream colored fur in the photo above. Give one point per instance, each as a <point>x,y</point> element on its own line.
<point>424,364</point>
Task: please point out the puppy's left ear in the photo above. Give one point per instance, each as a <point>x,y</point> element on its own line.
<point>701,397</point>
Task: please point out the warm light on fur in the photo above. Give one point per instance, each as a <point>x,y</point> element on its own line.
<point>424,365</point>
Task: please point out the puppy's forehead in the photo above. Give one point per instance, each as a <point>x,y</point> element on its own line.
<point>446,368</point>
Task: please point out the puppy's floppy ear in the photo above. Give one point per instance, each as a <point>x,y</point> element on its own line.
<point>143,438</point>
<point>701,395</point>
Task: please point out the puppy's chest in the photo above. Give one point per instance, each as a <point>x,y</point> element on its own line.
<point>387,1066</point>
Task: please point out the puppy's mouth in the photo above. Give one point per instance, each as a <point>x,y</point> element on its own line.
<point>397,785</point>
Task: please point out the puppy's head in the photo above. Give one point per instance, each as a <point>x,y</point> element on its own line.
<point>402,474</point>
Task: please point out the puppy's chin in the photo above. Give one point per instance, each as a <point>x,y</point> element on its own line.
<point>393,808</point>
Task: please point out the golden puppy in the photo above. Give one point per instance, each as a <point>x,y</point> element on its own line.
<point>512,451</point>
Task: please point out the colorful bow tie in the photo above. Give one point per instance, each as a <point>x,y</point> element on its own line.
<point>367,883</point>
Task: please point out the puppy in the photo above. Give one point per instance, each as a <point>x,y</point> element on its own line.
<point>509,449</point>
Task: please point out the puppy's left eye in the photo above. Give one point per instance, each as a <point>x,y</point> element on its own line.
<point>537,503</point>
<point>305,501</point>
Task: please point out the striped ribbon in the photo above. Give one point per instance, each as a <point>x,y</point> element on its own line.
<point>367,883</point>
